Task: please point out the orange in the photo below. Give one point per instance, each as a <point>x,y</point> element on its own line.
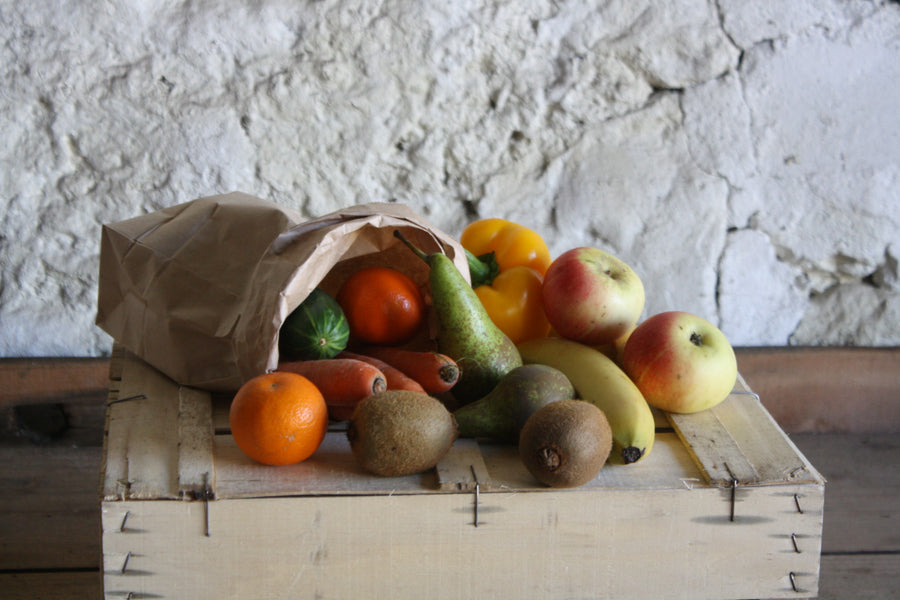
<point>278,418</point>
<point>382,306</point>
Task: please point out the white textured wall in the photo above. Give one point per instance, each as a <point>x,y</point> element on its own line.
<point>744,157</point>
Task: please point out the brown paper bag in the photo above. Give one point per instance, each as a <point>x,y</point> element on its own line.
<point>200,290</point>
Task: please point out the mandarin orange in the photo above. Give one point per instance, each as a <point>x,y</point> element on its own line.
<point>382,306</point>
<point>278,418</point>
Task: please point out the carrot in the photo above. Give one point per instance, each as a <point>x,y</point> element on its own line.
<point>434,371</point>
<point>396,379</point>
<point>344,382</point>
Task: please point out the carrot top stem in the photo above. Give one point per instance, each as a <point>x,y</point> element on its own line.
<point>449,373</point>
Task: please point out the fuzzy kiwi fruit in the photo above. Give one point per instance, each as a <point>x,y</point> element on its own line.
<point>398,432</point>
<point>565,443</point>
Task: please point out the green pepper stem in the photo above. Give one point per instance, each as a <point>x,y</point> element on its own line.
<point>482,269</point>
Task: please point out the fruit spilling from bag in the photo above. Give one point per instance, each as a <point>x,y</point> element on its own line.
<point>409,337</point>
<point>548,355</point>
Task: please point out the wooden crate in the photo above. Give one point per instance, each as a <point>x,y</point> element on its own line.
<point>725,506</point>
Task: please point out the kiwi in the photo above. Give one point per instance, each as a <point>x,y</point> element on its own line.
<point>565,443</point>
<point>398,432</point>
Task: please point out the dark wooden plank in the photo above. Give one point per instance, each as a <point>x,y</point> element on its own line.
<point>56,585</point>
<point>49,507</point>
<point>860,576</point>
<point>43,380</point>
<point>862,493</point>
<point>53,424</point>
<point>804,388</point>
<point>826,389</point>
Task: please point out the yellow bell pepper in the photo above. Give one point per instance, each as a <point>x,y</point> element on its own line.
<point>512,245</point>
<point>507,262</point>
<point>514,304</point>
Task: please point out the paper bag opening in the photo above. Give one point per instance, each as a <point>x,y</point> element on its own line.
<point>200,290</point>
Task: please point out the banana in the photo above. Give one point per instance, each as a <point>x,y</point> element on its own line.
<point>601,382</point>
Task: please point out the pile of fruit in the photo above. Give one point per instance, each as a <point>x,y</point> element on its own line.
<point>549,355</point>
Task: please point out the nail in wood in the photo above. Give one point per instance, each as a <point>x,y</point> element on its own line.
<point>477,493</point>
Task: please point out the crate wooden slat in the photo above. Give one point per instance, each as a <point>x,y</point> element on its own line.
<point>185,514</point>
<point>738,442</point>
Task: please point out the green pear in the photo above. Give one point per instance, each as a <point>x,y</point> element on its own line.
<point>466,332</point>
<point>501,414</point>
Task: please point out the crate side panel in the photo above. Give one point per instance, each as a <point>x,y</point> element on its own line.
<point>598,544</point>
<point>141,440</point>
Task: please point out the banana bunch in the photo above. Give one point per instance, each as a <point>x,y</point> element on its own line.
<point>598,380</point>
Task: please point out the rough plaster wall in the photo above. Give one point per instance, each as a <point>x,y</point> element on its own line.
<point>744,157</point>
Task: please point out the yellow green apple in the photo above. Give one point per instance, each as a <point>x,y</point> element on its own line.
<point>680,362</point>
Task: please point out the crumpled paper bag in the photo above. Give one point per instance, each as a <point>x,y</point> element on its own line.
<point>200,290</point>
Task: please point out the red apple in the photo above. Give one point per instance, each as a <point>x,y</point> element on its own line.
<point>680,362</point>
<point>591,296</point>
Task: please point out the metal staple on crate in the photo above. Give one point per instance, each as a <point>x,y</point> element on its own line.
<point>477,493</point>
<point>128,399</point>
<point>791,575</point>
<point>734,484</point>
<point>746,393</point>
<point>207,494</point>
